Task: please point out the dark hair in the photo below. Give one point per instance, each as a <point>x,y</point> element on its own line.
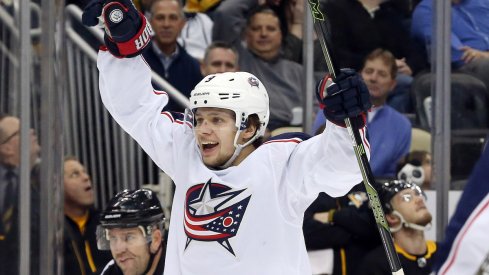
<point>385,56</point>
<point>220,44</point>
<point>254,120</point>
<point>267,9</point>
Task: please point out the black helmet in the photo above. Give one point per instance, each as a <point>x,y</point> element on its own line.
<point>390,188</point>
<point>132,208</point>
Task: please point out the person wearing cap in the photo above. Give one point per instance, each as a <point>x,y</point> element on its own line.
<point>132,228</point>
<point>406,213</point>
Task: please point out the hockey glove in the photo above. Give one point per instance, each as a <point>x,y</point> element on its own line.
<point>347,96</point>
<point>127,32</point>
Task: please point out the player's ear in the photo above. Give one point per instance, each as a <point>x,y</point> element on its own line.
<point>156,239</point>
<point>392,220</point>
<point>249,131</point>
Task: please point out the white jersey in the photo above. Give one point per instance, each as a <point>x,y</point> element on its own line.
<point>245,219</point>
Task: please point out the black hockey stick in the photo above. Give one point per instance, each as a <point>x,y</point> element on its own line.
<point>321,27</point>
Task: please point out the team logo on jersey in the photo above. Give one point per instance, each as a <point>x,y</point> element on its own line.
<point>253,82</point>
<point>213,213</point>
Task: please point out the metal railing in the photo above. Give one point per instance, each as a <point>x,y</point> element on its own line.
<point>114,160</point>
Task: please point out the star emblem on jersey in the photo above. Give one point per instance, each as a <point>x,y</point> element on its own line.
<point>213,213</point>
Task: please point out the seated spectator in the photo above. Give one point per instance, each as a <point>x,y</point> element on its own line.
<point>81,255</point>
<point>469,34</point>
<point>9,195</point>
<point>196,34</point>
<point>132,228</point>
<point>389,131</point>
<point>345,226</point>
<point>219,57</point>
<point>416,167</point>
<point>465,249</point>
<point>165,56</point>
<point>359,27</point>
<point>262,56</point>
<point>407,217</point>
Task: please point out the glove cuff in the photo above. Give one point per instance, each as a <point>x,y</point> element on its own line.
<point>135,45</point>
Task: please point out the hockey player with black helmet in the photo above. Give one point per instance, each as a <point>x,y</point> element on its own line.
<point>132,228</point>
<point>408,217</point>
<point>239,203</point>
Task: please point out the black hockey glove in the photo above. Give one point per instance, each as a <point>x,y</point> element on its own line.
<point>347,96</point>
<point>127,32</point>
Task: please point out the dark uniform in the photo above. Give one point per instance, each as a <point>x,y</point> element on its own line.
<point>375,263</point>
<point>351,232</point>
<point>76,244</point>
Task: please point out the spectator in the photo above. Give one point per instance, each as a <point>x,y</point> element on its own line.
<point>469,34</point>
<point>81,255</point>
<point>165,56</point>
<point>9,195</point>
<point>132,228</point>
<point>262,57</point>
<point>359,27</point>
<point>416,167</point>
<point>408,217</point>
<point>345,226</point>
<point>196,34</point>
<point>219,57</point>
<point>465,249</point>
<point>389,131</point>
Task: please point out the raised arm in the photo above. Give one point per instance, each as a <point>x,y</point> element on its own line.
<point>125,82</point>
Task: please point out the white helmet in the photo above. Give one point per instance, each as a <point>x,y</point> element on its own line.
<point>240,92</point>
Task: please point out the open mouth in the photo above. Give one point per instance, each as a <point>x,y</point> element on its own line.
<point>208,146</point>
<point>88,188</point>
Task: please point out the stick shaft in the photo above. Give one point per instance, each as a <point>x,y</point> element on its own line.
<point>368,179</point>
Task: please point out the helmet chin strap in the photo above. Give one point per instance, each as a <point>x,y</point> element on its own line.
<point>408,224</point>
<point>238,148</point>
<point>152,257</point>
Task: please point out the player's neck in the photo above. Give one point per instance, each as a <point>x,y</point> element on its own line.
<point>412,241</point>
<point>245,152</point>
<point>156,261</point>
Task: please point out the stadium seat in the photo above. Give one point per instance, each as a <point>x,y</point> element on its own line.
<point>469,101</point>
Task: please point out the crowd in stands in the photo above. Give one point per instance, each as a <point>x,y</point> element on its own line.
<point>388,43</point>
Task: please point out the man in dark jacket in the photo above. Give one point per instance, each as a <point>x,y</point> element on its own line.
<point>345,225</point>
<point>81,255</point>
<point>165,56</point>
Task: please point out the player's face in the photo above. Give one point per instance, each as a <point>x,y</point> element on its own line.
<point>220,60</point>
<point>77,185</point>
<point>167,21</point>
<point>411,204</point>
<point>263,35</point>
<point>378,78</point>
<point>215,130</point>
<point>10,141</point>
<point>129,249</point>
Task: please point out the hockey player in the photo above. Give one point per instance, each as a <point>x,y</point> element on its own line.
<point>408,217</point>
<point>132,228</point>
<point>238,208</point>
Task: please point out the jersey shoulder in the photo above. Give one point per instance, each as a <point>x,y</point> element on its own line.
<point>294,137</point>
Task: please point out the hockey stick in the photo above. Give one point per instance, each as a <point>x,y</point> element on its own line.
<point>321,27</point>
